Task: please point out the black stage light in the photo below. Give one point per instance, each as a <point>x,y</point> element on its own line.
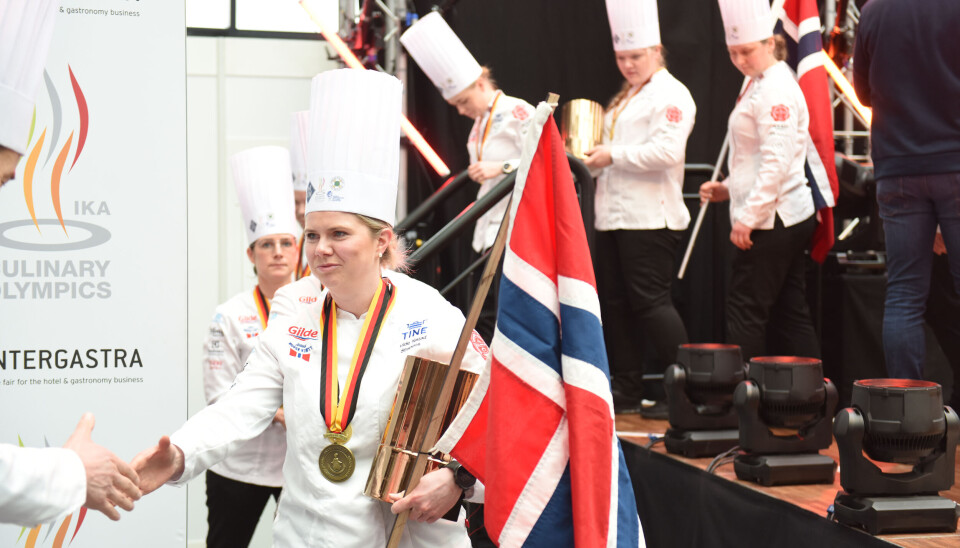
<point>789,394</point>
<point>700,399</point>
<point>896,421</point>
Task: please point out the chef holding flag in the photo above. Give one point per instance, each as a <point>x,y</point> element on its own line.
<point>335,364</point>
<point>239,486</point>
<point>499,124</point>
<point>640,214</point>
<point>771,204</point>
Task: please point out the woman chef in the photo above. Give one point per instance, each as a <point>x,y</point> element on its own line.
<point>335,365</point>
<point>771,204</point>
<point>499,123</point>
<point>640,214</point>
<point>239,486</point>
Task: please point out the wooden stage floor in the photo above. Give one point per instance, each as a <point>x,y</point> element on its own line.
<point>813,498</point>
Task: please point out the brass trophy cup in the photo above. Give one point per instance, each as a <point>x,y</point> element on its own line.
<point>417,395</point>
<point>581,126</point>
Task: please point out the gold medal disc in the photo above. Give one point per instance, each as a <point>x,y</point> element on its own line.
<point>337,463</point>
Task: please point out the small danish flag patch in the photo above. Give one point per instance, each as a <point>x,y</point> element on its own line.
<point>780,113</point>
<point>674,114</point>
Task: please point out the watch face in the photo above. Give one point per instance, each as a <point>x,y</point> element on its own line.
<point>463,478</point>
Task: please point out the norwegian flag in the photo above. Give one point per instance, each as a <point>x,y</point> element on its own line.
<point>303,356</point>
<point>538,429</point>
<point>801,26</point>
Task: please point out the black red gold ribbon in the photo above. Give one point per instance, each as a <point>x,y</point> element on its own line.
<point>338,409</point>
<point>263,306</point>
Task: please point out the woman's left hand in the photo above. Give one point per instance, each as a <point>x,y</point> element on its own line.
<point>280,418</point>
<point>740,236</point>
<point>598,157</point>
<point>481,171</point>
<point>433,497</point>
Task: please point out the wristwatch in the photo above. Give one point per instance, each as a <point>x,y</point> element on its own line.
<point>461,476</point>
<point>507,167</point>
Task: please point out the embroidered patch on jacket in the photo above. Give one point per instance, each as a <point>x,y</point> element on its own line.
<point>674,114</point>
<point>780,113</point>
<point>520,113</point>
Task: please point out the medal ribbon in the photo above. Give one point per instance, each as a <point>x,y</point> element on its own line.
<point>338,409</point>
<point>303,269</point>
<point>263,306</point>
<point>486,130</point>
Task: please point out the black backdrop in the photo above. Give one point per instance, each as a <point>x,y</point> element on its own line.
<point>564,46</point>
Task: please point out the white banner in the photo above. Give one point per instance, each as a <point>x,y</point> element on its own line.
<point>93,255</point>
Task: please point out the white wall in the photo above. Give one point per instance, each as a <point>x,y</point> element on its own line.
<point>240,94</point>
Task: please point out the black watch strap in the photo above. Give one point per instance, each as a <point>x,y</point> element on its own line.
<point>461,476</point>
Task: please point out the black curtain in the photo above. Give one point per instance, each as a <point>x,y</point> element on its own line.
<point>564,46</point>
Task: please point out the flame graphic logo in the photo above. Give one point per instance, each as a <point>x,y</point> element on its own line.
<point>62,531</point>
<point>57,174</point>
<point>50,138</point>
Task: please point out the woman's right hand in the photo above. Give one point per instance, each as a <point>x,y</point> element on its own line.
<point>158,465</point>
<point>713,191</point>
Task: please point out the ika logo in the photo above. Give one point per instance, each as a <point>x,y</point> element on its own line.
<point>303,333</point>
<point>302,351</point>
<point>48,156</point>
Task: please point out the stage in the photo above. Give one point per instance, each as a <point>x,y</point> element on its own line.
<point>681,505</point>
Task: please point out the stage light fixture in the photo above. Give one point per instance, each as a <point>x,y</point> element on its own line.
<point>902,422</point>
<point>699,391</point>
<point>790,395</point>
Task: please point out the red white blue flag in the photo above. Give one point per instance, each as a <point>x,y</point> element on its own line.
<point>801,27</point>
<point>538,429</point>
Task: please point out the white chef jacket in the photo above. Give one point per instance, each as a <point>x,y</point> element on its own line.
<point>288,299</point>
<point>232,336</point>
<point>768,146</point>
<point>39,485</point>
<point>503,144</point>
<point>643,188</point>
<point>285,368</point>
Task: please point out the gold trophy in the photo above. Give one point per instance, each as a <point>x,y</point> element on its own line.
<point>581,126</point>
<point>417,395</point>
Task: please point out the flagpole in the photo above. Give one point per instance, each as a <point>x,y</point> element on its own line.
<point>775,11</point>
<point>436,415</point>
<point>703,207</point>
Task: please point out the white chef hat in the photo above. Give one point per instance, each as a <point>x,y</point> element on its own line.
<point>442,56</point>
<point>26,28</point>
<point>746,21</point>
<point>299,133</point>
<point>634,24</point>
<point>353,163</point>
<point>262,178</point>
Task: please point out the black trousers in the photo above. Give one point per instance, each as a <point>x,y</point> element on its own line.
<point>233,510</point>
<point>634,271</point>
<point>767,311</point>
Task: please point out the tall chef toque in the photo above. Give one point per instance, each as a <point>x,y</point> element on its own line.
<point>299,137</point>
<point>634,24</point>
<point>25,31</point>
<point>353,162</point>
<point>441,55</point>
<point>746,21</point>
<point>262,178</point>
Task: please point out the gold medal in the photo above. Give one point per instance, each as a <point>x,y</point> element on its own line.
<point>336,460</point>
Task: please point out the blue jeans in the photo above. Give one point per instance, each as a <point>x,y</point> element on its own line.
<point>911,208</point>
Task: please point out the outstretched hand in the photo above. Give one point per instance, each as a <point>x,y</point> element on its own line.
<point>110,481</point>
<point>433,497</point>
<point>158,465</point>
